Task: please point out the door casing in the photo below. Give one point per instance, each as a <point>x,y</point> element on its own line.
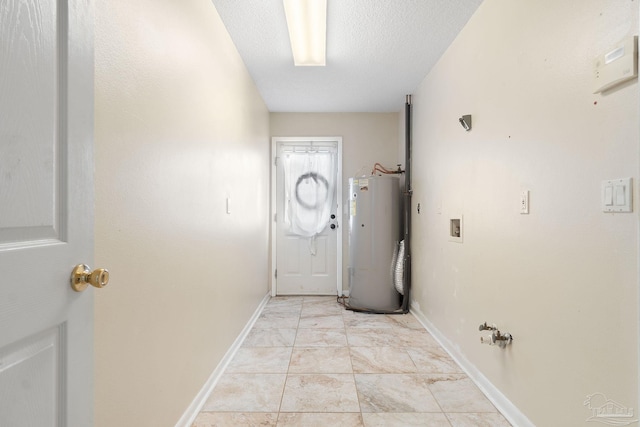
<point>339,209</point>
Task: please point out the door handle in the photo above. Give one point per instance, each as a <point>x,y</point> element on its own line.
<point>82,276</point>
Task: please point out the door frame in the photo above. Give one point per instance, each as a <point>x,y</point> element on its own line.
<point>340,214</point>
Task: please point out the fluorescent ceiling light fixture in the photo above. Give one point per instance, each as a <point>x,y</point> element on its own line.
<point>307,22</point>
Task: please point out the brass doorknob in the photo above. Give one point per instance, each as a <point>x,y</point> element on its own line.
<point>82,276</point>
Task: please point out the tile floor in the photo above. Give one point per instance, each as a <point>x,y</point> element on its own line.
<point>309,362</point>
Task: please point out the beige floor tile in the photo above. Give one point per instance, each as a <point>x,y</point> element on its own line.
<point>270,338</point>
<point>324,419</point>
<point>277,321</point>
<point>405,321</point>
<point>321,338</point>
<point>369,337</point>
<point>354,319</point>
<point>291,300</point>
<point>327,299</point>
<point>265,360</point>
<point>284,309</point>
<point>309,362</point>
<point>395,393</point>
<point>381,360</point>
<point>457,393</point>
<point>320,393</point>
<point>246,393</point>
<point>320,308</point>
<point>332,321</point>
<point>433,360</point>
<point>407,337</point>
<point>405,420</point>
<point>320,360</point>
<point>478,420</point>
<point>235,419</point>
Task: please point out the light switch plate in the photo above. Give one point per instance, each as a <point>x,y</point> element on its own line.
<point>617,195</point>
<point>524,202</point>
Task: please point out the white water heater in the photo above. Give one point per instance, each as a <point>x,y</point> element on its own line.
<point>375,229</point>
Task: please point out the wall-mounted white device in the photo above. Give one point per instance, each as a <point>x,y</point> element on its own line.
<point>616,66</point>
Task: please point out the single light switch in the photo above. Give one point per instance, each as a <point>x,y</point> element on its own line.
<point>620,195</point>
<point>524,202</point>
<point>608,195</point>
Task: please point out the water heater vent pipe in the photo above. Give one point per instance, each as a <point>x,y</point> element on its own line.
<point>407,206</point>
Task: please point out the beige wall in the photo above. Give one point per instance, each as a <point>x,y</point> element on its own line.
<point>179,128</point>
<point>563,279</point>
<point>367,138</point>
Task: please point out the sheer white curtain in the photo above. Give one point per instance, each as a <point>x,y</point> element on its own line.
<point>309,184</point>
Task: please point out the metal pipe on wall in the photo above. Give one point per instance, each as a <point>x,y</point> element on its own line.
<point>407,206</point>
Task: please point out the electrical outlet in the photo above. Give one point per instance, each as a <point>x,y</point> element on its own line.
<point>524,202</point>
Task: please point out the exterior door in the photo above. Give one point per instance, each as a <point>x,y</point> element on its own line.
<point>306,265</point>
<point>46,212</point>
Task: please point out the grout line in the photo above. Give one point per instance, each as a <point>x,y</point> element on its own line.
<point>293,347</point>
<point>353,373</point>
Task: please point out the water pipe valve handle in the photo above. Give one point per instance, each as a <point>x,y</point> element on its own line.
<point>485,327</point>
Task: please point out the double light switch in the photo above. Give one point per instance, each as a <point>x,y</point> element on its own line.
<point>617,195</point>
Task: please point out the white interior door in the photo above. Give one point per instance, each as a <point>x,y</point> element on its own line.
<point>46,212</point>
<point>306,265</point>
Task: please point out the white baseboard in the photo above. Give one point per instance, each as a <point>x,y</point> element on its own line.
<point>499,400</point>
<point>194,408</point>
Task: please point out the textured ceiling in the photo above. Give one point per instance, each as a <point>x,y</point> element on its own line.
<point>377,51</point>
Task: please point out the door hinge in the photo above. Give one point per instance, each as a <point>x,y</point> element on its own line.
<point>275,161</point>
<point>276,273</point>
<point>275,217</point>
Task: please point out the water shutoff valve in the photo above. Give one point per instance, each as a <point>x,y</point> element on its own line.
<point>496,337</point>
